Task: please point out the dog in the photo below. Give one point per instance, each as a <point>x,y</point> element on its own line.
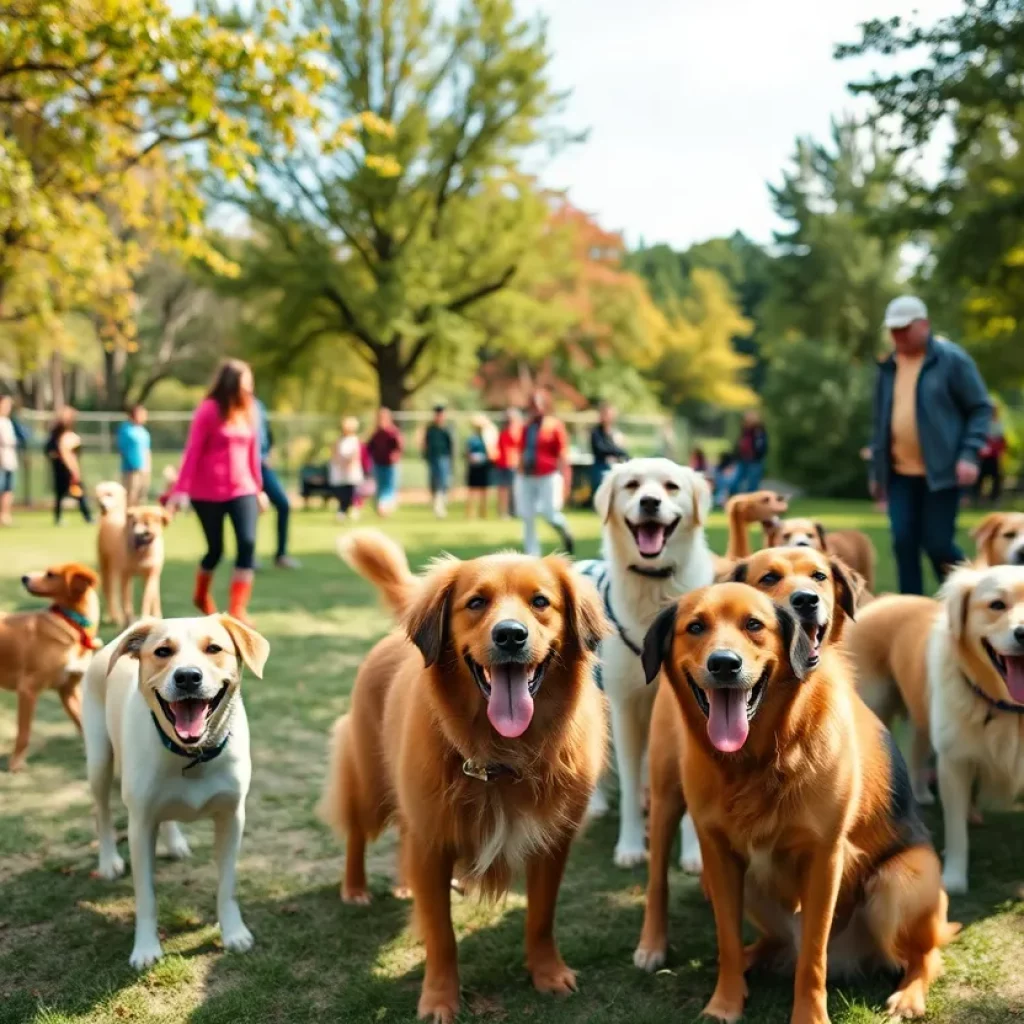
<point>975,693</point>
<point>163,709</point>
<point>801,802</point>
<point>852,547</point>
<point>999,538</point>
<point>477,729</point>
<point>654,550</point>
<point>130,544</point>
<point>743,510</point>
<point>49,649</point>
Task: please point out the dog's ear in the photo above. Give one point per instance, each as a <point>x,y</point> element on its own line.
<point>701,499</point>
<point>252,647</point>
<point>658,642</point>
<point>427,621</point>
<point>820,530</point>
<point>584,610</point>
<point>739,572</point>
<point>130,642</point>
<point>605,495</point>
<point>796,642</point>
<point>956,595</point>
<point>985,532</point>
<point>846,587</point>
<point>78,579</point>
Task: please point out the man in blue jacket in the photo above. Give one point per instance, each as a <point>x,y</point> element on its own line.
<point>274,491</point>
<point>931,419</point>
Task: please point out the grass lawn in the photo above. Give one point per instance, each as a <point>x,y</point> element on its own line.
<point>65,937</point>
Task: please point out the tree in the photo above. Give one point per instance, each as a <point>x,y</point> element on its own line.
<point>114,112</point>
<point>385,247</point>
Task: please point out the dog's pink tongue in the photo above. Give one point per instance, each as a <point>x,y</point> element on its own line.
<point>1015,678</point>
<point>510,707</point>
<point>650,538</point>
<point>727,722</point>
<point>190,718</point>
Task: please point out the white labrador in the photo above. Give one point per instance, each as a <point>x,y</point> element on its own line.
<point>171,723</point>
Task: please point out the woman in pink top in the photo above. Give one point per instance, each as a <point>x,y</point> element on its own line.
<point>220,474</point>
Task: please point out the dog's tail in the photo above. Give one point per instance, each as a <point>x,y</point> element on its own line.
<point>333,809</point>
<point>380,560</point>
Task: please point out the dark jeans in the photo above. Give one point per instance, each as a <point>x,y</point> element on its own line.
<point>922,520</point>
<point>748,477</point>
<point>346,495</point>
<point>244,513</point>
<point>61,490</point>
<point>279,499</point>
<point>990,469</point>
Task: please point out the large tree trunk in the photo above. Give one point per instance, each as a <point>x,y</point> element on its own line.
<point>391,383</point>
<point>57,381</point>
<point>113,379</point>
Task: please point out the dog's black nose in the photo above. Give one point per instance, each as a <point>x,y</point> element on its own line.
<point>802,543</point>
<point>650,506</point>
<point>24,581</point>
<point>188,678</point>
<point>1018,635</point>
<point>724,665</point>
<point>510,636</point>
<point>1018,556</point>
<point>804,601</point>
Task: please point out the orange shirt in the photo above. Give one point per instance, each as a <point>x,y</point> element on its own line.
<point>906,445</point>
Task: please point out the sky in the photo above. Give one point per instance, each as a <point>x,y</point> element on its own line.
<point>693,106</point>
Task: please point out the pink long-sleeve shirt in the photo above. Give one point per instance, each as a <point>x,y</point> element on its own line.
<point>222,460</point>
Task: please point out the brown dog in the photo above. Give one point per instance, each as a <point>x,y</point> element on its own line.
<point>1000,539</point>
<point>130,544</point>
<point>479,731</point>
<point>49,650</point>
<point>801,803</point>
<point>743,510</point>
<point>852,547</point>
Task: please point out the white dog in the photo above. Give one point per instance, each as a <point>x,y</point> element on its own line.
<point>172,724</point>
<point>654,551</point>
<point>976,698</point>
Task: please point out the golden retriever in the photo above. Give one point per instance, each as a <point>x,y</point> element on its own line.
<point>478,730</point>
<point>801,803</point>
<point>852,547</point>
<point>999,538</point>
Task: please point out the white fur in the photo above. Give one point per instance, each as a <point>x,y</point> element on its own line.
<point>636,601</point>
<point>969,737</point>
<point>120,736</point>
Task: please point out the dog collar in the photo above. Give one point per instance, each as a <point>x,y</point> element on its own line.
<point>999,705</point>
<point>487,772</point>
<point>80,624</point>
<point>653,574</point>
<point>204,755</point>
<point>613,619</point>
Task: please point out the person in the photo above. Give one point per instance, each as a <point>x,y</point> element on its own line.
<point>62,447</point>
<point>991,460</point>
<point>221,475</point>
<point>506,461</point>
<point>481,449</point>
<point>274,490</point>
<point>385,446</point>
<point>544,472</point>
<point>604,444</point>
<point>724,478</point>
<point>751,452</point>
<point>699,461</point>
<point>135,448</point>
<point>345,472</point>
<point>8,459</point>
<point>438,448</point>
<point>931,418</point>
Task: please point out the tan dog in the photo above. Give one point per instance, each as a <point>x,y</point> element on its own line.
<point>801,804</point>
<point>743,510</point>
<point>852,547</point>
<point>1000,539</point>
<point>479,731</point>
<point>130,544</point>
<point>49,650</point>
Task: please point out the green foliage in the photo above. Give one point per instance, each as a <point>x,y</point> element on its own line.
<point>818,414</point>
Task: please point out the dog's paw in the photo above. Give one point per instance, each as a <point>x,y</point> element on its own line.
<point>146,953</point>
<point>355,897</point>
<point>110,870</point>
<point>954,881</point>
<point>906,1003</point>
<point>723,1010</point>
<point>16,764</point>
<point>629,855</point>
<point>438,1007</point>
<point>402,892</point>
<point>237,939</point>
<point>177,847</point>
<point>649,960</point>
<point>555,979</point>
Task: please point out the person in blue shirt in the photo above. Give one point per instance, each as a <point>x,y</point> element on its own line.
<point>134,447</point>
<point>274,491</point>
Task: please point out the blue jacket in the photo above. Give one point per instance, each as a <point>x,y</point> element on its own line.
<point>953,414</point>
<point>266,437</point>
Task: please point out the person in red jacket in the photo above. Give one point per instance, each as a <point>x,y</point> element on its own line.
<point>544,473</point>
<point>991,459</point>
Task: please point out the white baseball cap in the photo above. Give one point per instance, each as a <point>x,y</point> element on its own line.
<point>902,312</point>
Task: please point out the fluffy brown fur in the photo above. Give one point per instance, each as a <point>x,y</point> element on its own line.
<point>809,815</point>
<point>44,650</point>
<point>420,727</point>
<point>852,547</point>
<point>1000,539</point>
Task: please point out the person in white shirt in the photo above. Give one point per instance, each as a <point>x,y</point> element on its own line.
<point>8,459</point>
<point>345,473</point>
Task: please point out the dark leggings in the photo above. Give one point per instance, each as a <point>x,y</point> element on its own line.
<point>346,495</point>
<point>275,492</point>
<point>62,489</point>
<point>244,513</point>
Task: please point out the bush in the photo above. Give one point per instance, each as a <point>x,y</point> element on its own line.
<point>817,408</point>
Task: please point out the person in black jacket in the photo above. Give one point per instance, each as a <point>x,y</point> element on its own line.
<point>604,444</point>
<point>751,452</point>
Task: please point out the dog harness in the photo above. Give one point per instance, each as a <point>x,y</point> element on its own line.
<point>204,755</point>
<point>597,572</point>
<point>79,624</point>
